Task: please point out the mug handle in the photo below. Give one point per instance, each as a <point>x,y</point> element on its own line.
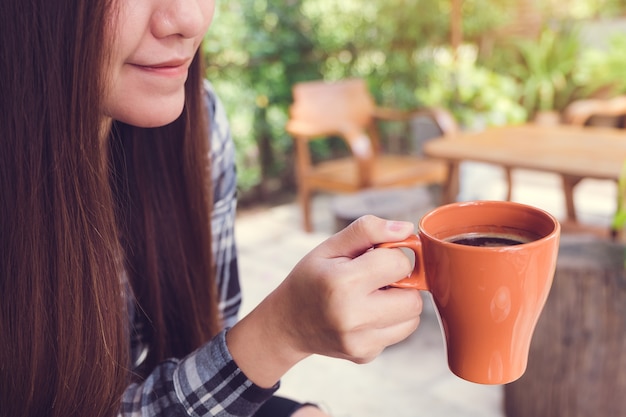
<point>417,279</point>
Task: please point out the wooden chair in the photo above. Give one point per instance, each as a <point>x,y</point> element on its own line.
<point>609,112</point>
<point>591,112</point>
<point>346,109</point>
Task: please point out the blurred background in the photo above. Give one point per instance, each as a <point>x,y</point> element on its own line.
<point>487,61</point>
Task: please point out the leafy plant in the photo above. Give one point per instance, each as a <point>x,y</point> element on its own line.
<point>474,94</point>
<point>546,68</point>
<point>257,49</point>
<point>602,71</point>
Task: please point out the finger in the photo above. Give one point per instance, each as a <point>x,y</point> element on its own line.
<point>395,305</point>
<point>376,268</point>
<point>364,233</point>
<point>365,345</point>
<point>398,332</point>
<point>384,309</point>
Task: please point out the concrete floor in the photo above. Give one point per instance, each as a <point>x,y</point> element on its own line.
<point>411,378</point>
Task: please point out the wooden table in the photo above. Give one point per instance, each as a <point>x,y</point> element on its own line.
<point>572,152</point>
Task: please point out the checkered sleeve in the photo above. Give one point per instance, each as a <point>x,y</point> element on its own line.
<point>207,382</point>
<point>224,181</point>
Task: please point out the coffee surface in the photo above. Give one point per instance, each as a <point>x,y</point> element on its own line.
<point>488,239</point>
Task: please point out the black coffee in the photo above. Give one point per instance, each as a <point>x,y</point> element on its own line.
<point>488,240</point>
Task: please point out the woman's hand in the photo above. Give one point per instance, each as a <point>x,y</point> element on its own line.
<point>331,304</point>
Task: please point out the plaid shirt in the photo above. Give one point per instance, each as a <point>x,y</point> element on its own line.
<point>207,382</point>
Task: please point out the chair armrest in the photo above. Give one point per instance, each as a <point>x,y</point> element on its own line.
<point>390,114</point>
<point>442,118</point>
<point>303,129</point>
<point>580,111</point>
<point>359,143</point>
<point>363,152</point>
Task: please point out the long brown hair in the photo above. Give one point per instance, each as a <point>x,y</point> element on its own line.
<point>164,206</point>
<point>71,226</point>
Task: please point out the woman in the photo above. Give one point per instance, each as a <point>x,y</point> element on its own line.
<point>111,269</point>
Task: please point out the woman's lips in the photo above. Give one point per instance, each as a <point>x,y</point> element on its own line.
<point>174,68</point>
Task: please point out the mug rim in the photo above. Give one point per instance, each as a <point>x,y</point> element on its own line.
<point>553,233</point>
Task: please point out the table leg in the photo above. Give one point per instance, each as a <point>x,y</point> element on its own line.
<point>569,182</point>
<point>451,185</point>
<point>508,178</point>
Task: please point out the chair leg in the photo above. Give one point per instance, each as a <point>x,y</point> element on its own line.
<point>304,196</point>
<point>450,187</point>
<point>508,177</point>
<point>569,182</point>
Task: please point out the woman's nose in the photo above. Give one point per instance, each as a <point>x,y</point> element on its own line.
<point>184,18</point>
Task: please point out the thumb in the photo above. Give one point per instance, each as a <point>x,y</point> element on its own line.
<point>363,234</point>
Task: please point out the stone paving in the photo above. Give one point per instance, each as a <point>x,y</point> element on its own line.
<point>409,379</point>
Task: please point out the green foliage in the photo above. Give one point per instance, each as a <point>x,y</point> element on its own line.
<point>604,70</point>
<point>546,68</point>
<point>475,95</point>
<point>257,49</point>
<point>586,9</point>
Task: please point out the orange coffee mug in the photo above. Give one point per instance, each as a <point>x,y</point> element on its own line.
<point>489,267</point>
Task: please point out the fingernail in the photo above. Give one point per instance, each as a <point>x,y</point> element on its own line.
<point>397,226</point>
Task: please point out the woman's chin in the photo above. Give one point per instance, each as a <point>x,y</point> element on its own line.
<point>149,120</point>
<point>144,110</point>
